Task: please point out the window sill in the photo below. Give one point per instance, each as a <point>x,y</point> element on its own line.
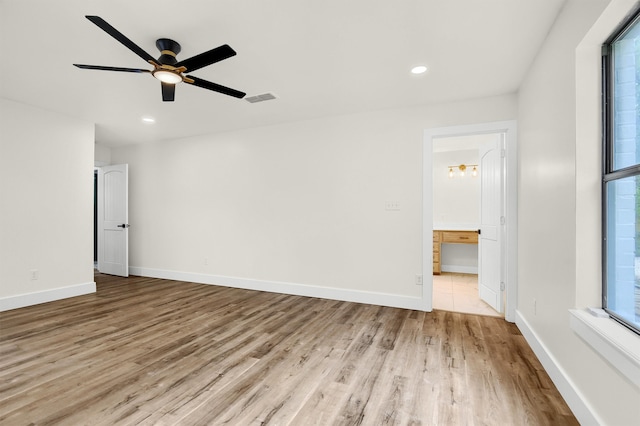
<point>615,343</point>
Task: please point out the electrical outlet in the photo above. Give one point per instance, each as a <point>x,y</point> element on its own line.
<point>535,306</point>
<point>34,274</point>
<point>418,279</point>
<point>206,261</point>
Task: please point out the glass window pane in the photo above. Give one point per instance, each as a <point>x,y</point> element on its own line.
<point>626,95</point>
<point>623,249</point>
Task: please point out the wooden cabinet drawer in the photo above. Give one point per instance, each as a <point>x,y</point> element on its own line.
<point>460,237</point>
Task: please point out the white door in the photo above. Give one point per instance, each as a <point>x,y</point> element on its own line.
<point>113,220</point>
<point>490,238</point>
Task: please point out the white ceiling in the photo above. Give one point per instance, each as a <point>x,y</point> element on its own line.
<point>319,58</point>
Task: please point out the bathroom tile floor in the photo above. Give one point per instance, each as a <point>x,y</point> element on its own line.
<point>459,293</point>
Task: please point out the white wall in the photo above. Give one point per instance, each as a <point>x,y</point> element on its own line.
<point>46,188</point>
<point>102,155</point>
<point>300,203</point>
<point>456,201</point>
<point>548,242</point>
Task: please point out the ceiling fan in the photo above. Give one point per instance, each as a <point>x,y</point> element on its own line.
<point>167,68</point>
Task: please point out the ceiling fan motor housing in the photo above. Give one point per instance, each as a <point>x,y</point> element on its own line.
<point>168,49</point>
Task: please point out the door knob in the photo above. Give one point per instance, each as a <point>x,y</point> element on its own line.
<point>124,225</point>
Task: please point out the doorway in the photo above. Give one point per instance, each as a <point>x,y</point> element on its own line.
<point>95,218</point>
<point>457,185</point>
<point>502,228</point>
<point>111,220</point>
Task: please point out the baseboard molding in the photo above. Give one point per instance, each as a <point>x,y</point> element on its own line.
<point>29,299</point>
<point>460,269</point>
<point>569,392</point>
<point>371,298</point>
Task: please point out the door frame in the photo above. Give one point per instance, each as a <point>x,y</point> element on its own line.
<point>510,179</point>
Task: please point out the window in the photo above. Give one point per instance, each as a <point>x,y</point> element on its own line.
<point>621,175</point>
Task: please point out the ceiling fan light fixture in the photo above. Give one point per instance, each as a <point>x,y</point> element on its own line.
<point>168,77</point>
<point>167,68</point>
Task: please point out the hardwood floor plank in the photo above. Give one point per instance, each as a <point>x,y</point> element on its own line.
<point>307,382</point>
<point>281,401</point>
<point>143,351</point>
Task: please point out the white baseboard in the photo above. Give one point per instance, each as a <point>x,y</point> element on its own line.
<point>458,269</point>
<point>29,299</point>
<point>569,392</point>
<point>371,298</point>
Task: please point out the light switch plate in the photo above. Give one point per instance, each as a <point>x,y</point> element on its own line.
<point>392,205</point>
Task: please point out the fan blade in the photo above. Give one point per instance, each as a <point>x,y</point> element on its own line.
<point>207,58</point>
<point>168,92</point>
<point>98,67</point>
<point>215,87</point>
<point>120,37</point>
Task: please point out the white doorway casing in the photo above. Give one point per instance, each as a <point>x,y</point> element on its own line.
<point>509,239</point>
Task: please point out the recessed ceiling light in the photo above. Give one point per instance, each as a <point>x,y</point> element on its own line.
<point>148,119</point>
<point>420,69</point>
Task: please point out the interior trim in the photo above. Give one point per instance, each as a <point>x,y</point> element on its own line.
<point>458,269</point>
<point>618,345</point>
<point>578,404</point>
<point>36,298</point>
<point>510,274</point>
<point>332,293</point>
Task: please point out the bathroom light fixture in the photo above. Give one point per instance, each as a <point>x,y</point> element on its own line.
<point>462,168</point>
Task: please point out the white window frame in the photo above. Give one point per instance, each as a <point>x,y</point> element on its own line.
<point>621,239</point>
<point>611,340</point>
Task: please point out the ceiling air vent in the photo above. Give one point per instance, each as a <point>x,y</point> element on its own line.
<point>260,98</point>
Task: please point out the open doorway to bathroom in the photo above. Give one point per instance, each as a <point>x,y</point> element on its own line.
<point>491,253</point>
<point>457,200</point>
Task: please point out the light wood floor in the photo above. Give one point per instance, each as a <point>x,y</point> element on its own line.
<point>155,352</point>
